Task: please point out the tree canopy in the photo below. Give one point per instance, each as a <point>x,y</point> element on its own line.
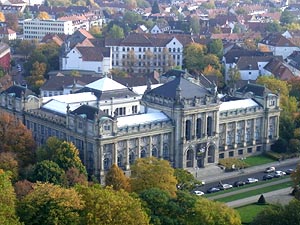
<point>110,207</point>
<point>16,138</point>
<point>50,204</point>
<point>116,178</point>
<point>152,172</point>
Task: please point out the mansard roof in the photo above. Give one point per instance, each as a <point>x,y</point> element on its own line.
<point>88,111</point>
<point>188,89</point>
<point>256,89</point>
<point>18,91</point>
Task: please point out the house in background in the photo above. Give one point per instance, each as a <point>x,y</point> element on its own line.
<point>7,34</point>
<point>278,45</point>
<point>5,56</point>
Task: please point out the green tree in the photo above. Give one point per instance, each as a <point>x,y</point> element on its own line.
<point>36,78</point>
<point>273,27</point>
<point>7,200</point>
<point>67,156</point>
<point>47,151</point>
<point>50,204</point>
<point>48,171</point>
<point>116,32</point>
<point>295,176</point>
<point>186,180</point>
<point>8,162</point>
<point>152,172</point>
<point>215,213</point>
<point>287,17</point>
<point>215,47</point>
<point>11,20</point>
<point>193,57</point>
<point>233,76</point>
<point>106,206</point>
<point>25,48</point>
<point>155,7</point>
<point>17,139</point>
<point>279,214</point>
<point>116,178</point>
<point>195,25</point>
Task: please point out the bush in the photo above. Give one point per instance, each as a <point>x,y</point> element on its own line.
<point>232,164</point>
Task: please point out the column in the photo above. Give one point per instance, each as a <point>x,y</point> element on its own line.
<point>193,128</point>
<point>235,134</point>
<point>245,133</point>
<point>101,164</point>
<point>225,136</point>
<point>150,146</point>
<point>138,148</point>
<point>204,125</point>
<point>115,153</point>
<point>277,126</point>
<point>127,165</point>
<point>161,146</point>
<point>253,132</point>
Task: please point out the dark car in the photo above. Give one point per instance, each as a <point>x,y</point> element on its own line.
<point>239,183</point>
<point>268,177</point>
<point>289,171</point>
<point>213,190</point>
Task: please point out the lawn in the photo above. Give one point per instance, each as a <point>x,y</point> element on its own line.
<point>257,191</point>
<point>248,212</point>
<point>258,160</point>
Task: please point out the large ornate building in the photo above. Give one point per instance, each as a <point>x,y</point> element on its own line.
<point>182,121</point>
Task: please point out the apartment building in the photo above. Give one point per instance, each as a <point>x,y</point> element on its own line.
<point>35,29</point>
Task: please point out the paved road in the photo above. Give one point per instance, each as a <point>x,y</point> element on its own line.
<point>237,191</point>
<point>279,196</point>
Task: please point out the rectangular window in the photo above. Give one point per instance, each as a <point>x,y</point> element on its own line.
<point>240,151</point>
<point>134,109</point>
<point>231,154</point>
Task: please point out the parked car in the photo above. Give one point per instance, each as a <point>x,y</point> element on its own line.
<point>268,177</point>
<point>289,171</point>
<point>213,190</point>
<point>279,173</point>
<point>270,169</point>
<point>225,186</point>
<point>199,193</point>
<point>251,180</point>
<point>239,183</point>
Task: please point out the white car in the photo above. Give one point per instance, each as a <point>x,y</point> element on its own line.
<point>279,173</point>
<point>251,180</point>
<point>225,186</point>
<point>199,193</point>
<point>270,169</point>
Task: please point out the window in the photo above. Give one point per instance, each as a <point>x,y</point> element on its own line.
<point>198,128</point>
<point>188,130</point>
<point>209,126</point>
<point>240,151</point>
<point>249,150</point>
<point>134,109</point>
<point>106,111</point>
<point>231,154</point>
<point>221,156</point>
<point>106,127</point>
<point>120,111</point>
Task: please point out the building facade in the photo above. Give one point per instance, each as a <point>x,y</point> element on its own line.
<point>35,29</point>
<point>181,121</point>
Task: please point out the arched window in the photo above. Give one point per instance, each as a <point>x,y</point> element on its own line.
<point>106,163</point>
<point>131,158</point>
<point>166,152</point>
<point>120,160</point>
<point>154,152</point>
<point>190,158</point>
<point>199,128</point>
<point>143,153</point>
<point>209,126</point>
<point>188,130</point>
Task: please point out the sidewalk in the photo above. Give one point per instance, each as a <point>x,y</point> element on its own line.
<point>213,173</point>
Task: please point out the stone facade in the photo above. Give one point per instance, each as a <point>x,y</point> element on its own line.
<point>181,121</point>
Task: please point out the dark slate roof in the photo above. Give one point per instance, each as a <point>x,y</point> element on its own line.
<point>251,62</point>
<point>188,89</point>
<point>89,111</point>
<point>256,89</point>
<point>59,82</point>
<point>18,90</point>
<point>106,95</point>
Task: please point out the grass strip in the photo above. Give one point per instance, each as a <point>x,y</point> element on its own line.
<point>255,192</point>
<point>258,160</point>
<point>249,212</point>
